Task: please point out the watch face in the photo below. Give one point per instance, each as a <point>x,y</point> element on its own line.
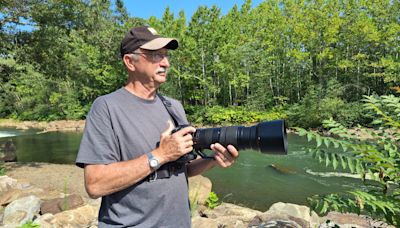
<point>153,163</point>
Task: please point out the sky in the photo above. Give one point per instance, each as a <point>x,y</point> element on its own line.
<point>146,8</point>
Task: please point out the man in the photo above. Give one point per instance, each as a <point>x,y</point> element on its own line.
<point>128,150</point>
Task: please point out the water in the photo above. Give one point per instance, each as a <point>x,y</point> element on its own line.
<point>251,182</point>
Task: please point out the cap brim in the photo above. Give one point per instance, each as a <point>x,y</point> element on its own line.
<point>158,43</point>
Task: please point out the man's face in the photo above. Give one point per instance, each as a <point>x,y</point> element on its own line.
<point>152,65</point>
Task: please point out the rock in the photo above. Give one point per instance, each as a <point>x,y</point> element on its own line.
<point>334,219</point>
<point>282,169</point>
<point>44,221</point>
<point>79,217</point>
<point>229,215</point>
<point>286,215</point>
<point>21,211</point>
<point>6,183</point>
<point>200,222</point>
<point>199,189</point>
<point>9,152</point>
<point>17,193</point>
<point>57,205</point>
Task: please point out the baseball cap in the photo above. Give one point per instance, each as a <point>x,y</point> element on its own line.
<point>145,37</point>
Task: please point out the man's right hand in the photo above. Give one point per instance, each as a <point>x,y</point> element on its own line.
<point>173,146</point>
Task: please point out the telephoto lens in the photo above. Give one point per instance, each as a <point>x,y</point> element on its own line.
<point>267,137</point>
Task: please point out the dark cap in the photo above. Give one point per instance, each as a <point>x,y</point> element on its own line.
<point>146,38</point>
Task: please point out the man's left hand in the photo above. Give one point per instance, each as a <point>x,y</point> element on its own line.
<point>224,157</point>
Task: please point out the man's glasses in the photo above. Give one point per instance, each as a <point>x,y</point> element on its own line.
<point>156,56</point>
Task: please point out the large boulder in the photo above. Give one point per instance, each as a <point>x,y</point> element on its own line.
<point>286,215</point>
<point>199,189</point>
<point>21,211</point>
<point>225,215</point>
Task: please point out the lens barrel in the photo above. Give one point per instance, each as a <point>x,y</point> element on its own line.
<point>267,137</point>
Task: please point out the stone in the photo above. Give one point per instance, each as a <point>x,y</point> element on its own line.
<point>6,183</point>
<point>14,194</point>
<point>44,221</point>
<point>200,222</point>
<point>287,215</point>
<point>350,220</point>
<point>199,189</point>
<point>79,217</point>
<point>21,210</point>
<point>57,205</point>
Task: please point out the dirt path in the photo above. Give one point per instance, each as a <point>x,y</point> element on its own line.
<point>62,178</point>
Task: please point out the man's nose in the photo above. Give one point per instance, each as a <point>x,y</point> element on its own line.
<point>164,62</point>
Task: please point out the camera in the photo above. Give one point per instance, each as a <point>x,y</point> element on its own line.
<point>267,137</point>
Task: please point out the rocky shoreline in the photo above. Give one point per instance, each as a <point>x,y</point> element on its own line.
<point>59,125</point>
<point>21,202</point>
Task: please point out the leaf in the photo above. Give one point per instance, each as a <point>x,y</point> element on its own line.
<point>350,163</point>
<point>327,142</point>
<point>327,160</point>
<point>334,161</point>
<point>309,136</point>
<point>319,140</point>
<point>343,162</point>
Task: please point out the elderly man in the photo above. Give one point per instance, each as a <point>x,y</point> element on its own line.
<point>129,149</point>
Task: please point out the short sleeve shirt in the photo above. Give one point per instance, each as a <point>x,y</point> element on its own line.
<point>121,126</point>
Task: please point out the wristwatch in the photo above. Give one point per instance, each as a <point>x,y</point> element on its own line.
<point>153,161</point>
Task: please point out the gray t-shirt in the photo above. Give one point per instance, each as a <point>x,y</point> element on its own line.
<point>121,126</point>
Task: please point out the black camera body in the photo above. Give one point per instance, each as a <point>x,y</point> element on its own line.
<point>267,137</point>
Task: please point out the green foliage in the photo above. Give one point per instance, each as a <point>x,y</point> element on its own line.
<point>324,103</point>
<point>30,224</point>
<point>2,170</point>
<point>373,154</point>
<point>212,200</point>
<point>218,115</point>
<point>317,58</point>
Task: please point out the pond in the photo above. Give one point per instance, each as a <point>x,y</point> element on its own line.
<point>255,181</point>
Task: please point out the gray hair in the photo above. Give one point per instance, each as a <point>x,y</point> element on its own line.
<point>134,56</point>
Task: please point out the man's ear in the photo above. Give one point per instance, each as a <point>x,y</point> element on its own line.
<point>128,61</point>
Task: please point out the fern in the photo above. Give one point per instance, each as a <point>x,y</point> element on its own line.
<point>373,154</point>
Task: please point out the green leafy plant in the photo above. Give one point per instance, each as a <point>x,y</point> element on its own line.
<point>212,200</point>
<point>30,224</point>
<point>2,170</point>
<point>373,154</point>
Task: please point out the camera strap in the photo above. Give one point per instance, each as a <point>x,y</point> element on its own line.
<point>167,104</point>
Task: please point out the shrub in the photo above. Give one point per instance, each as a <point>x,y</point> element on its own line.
<point>218,115</point>
<point>371,154</point>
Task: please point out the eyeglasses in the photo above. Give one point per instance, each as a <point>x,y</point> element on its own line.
<point>156,56</point>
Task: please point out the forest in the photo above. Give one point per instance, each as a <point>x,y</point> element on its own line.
<point>304,61</point>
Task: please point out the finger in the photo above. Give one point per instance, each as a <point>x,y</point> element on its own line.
<point>220,160</point>
<point>233,151</point>
<point>185,131</point>
<point>187,137</point>
<point>169,129</point>
<point>216,147</point>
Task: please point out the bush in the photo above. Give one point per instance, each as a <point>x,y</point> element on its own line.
<point>373,155</point>
<point>218,115</point>
<point>319,105</point>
